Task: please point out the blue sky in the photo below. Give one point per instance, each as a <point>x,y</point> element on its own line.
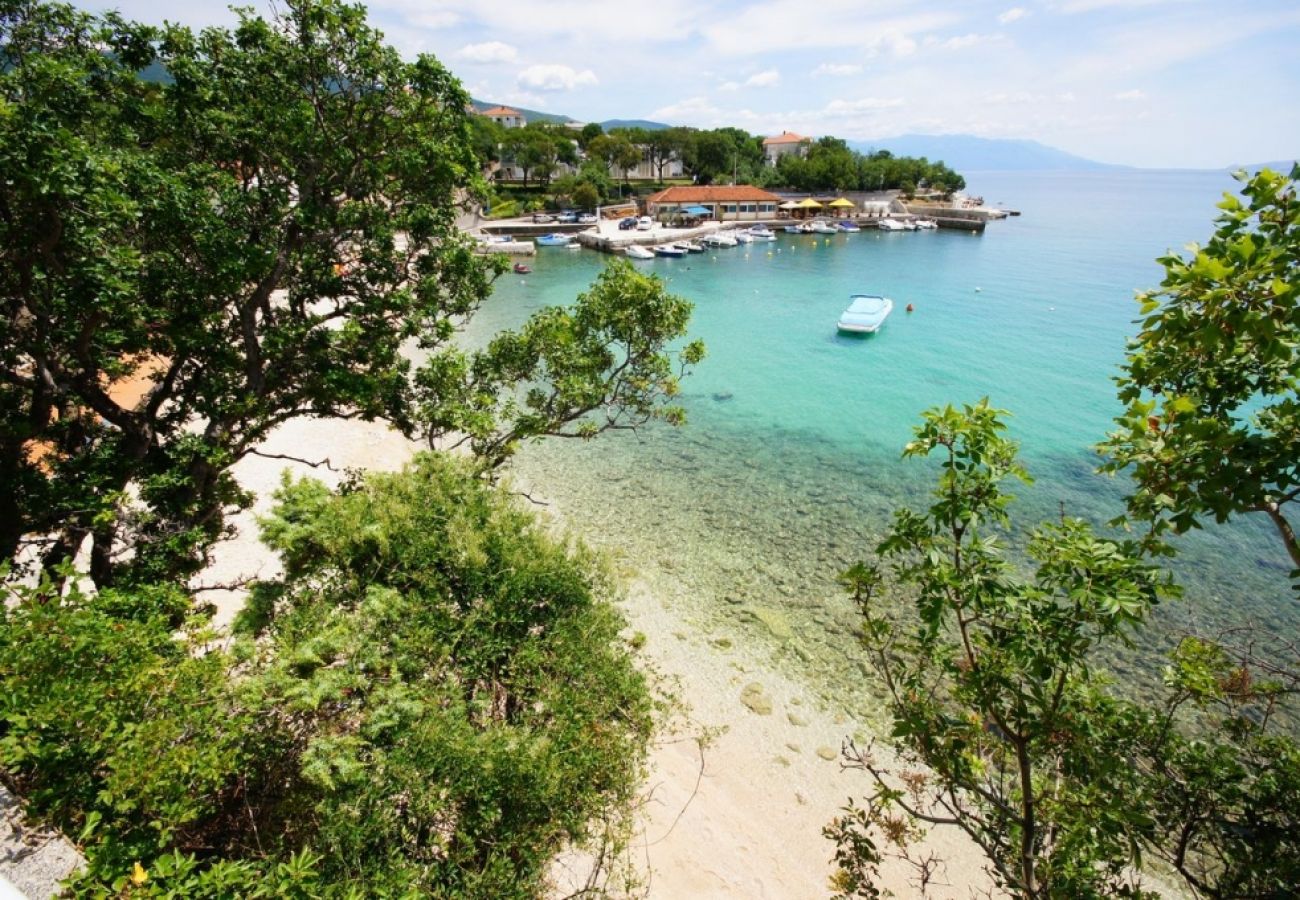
<point>1177,83</point>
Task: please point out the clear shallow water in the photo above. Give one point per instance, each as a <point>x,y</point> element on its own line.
<point>789,467</point>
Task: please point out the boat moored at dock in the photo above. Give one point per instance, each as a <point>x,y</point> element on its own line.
<point>636,251</point>
<point>554,240</point>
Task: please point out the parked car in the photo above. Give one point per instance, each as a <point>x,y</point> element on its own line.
<point>543,218</point>
<point>568,217</point>
<point>587,219</point>
<point>627,224</point>
<point>645,223</point>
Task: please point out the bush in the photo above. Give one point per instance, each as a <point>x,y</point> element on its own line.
<point>434,699</point>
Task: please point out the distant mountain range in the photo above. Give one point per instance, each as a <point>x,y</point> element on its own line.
<point>961,152</point>
<point>966,153</point>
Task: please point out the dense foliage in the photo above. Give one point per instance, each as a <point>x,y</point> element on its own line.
<point>433,701</point>
<point>1212,428</point>
<point>255,239</point>
<point>1005,727</point>
<point>706,155</point>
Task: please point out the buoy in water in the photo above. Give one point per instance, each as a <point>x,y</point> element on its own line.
<point>977,290</point>
<point>910,308</point>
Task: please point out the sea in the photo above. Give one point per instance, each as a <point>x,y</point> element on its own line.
<point>789,467</point>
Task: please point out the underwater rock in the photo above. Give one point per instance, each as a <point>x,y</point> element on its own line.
<point>776,623</point>
<point>754,697</point>
<point>827,753</point>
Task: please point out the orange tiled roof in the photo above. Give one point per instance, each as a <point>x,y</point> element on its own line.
<point>501,111</point>
<point>711,194</point>
<point>785,137</point>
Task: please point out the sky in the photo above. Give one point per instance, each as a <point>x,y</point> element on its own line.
<point>1155,83</point>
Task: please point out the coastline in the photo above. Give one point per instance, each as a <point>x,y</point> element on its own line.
<point>740,817</point>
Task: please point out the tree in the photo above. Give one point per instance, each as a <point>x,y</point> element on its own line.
<point>626,156</point>
<point>1005,727</point>
<point>252,241</point>
<point>586,195</point>
<point>1212,425</point>
<point>665,145</point>
<point>606,352</point>
<point>589,131</point>
<point>1001,723</point>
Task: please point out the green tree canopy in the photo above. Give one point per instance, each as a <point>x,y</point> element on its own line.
<point>1006,726</point>
<point>1212,427</point>
<point>254,240</point>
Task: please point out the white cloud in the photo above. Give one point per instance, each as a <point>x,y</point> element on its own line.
<point>865,104</point>
<point>766,78</point>
<point>787,25</point>
<point>1131,96</point>
<point>524,98</point>
<point>891,41</point>
<point>1014,14</point>
<point>838,70</point>
<point>693,109</point>
<point>435,20</point>
<point>555,77</point>
<point>959,42</point>
<point>490,52</point>
<point>729,86</point>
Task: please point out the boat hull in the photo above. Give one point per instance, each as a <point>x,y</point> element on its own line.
<point>865,315</point>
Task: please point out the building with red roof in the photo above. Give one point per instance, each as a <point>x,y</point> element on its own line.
<point>505,116</point>
<point>735,203</point>
<point>783,144</point>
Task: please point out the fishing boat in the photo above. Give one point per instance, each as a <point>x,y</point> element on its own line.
<point>554,239</point>
<point>670,250</point>
<point>636,251</point>
<point>866,313</point>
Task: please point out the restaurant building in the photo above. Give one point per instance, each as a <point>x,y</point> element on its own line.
<point>733,203</point>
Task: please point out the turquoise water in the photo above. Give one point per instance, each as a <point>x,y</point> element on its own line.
<point>789,466</point>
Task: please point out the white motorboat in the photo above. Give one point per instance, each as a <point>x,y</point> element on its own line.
<point>926,224</point>
<point>718,239</point>
<point>690,246</point>
<point>824,228</point>
<point>636,251</point>
<point>762,233</point>
<point>848,227</point>
<point>743,237</point>
<point>669,250</point>
<point>866,313</point>
<point>891,225</point>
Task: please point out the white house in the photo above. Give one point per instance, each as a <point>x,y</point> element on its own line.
<point>505,116</point>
